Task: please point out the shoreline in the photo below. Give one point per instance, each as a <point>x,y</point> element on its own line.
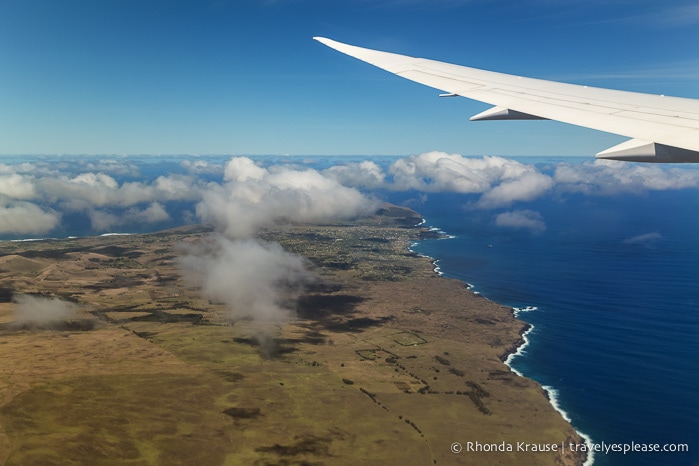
<point>551,392</point>
<point>519,348</point>
<point>381,353</point>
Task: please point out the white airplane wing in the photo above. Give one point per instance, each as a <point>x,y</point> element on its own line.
<point>662,129</point>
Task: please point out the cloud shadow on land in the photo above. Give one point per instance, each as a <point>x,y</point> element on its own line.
<point>334,312</point>
<point>75,325</point>
<point>6,295</point>
<point>269,347</point>
<point>321,309</point>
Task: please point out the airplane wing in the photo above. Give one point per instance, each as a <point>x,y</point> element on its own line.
<point>662,129</point>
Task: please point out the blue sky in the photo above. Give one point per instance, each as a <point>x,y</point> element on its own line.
<point>245,77</point>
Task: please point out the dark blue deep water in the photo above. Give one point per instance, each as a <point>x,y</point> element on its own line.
<point>615,280</point>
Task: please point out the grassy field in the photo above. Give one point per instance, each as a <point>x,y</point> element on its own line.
<point>380,361</point>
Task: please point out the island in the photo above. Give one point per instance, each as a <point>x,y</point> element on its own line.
<point>381,360</point>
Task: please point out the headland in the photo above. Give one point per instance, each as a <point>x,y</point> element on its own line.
<point>380,362</point>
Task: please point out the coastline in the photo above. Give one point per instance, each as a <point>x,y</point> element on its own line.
<point>382,358</point>
<point>518,349</point>
<point>551,392</point>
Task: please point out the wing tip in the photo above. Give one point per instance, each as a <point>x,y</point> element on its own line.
<point>324,40</point>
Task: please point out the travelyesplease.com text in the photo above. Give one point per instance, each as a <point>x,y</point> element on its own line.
<point>602,447</point>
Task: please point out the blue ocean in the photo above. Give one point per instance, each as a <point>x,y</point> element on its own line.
<point>611,289</point>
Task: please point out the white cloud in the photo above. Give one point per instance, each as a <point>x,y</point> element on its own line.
<point>175,187</point>
<point>201,167</point>
<point>250,276</point>
<point>154,213</point>
<point>24,167</point>
<point>256,197</point>
<point>438,171</point>
<point>364,174</point>
<point>522,219</point>
<point>501,181</point>
<point>39,311</point>
<point>19,218</point>
<point>32,195</point>
<point>526,187</point>
<point>643,239</point>
<point>113,166</point>
<point>17,186</point>
<point>241,169</point>
<point>90,190</point>
<point>608,177</point>
<point>104,220</point>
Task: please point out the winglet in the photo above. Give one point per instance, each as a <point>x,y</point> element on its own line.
<point>340,47</point>
<point>388,61</point>
<point>351,50</point>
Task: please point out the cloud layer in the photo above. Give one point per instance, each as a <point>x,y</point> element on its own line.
<point>241,195</point>
<point>252,197</point>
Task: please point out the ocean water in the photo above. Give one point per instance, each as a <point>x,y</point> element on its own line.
<point>614,281</point>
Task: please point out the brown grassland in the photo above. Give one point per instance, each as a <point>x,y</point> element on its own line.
<point>381,362</point>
